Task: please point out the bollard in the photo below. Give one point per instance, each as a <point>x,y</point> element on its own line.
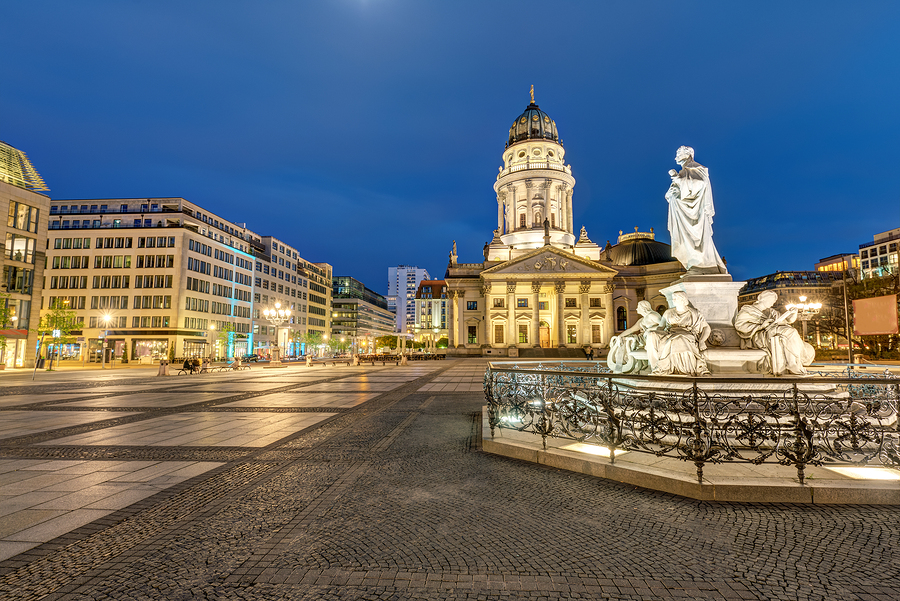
<point>163,367</point>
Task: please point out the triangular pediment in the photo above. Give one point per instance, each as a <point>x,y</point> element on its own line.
<point>548,259</point>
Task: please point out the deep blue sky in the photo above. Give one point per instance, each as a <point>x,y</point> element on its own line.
<point>369,132</point>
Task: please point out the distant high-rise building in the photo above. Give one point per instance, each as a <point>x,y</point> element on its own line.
<point>403,281</point>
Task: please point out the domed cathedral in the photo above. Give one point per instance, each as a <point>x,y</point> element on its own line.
<point>542,290</point>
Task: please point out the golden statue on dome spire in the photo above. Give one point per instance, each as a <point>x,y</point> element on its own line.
<point>532,93</point>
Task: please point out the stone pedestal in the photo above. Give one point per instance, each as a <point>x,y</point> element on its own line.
<point>715,296</point>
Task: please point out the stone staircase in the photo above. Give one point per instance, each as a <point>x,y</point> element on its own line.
<point>552,353</point>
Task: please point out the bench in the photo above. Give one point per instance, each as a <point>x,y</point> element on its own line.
<point>334,361</point>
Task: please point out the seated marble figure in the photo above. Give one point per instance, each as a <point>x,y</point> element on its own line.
<point>760,326</point>
<point>681,340</point>
<point>621,357</point>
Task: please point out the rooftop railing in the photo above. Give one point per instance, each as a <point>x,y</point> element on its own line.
<point>844,419</point>
<point>535,165</point>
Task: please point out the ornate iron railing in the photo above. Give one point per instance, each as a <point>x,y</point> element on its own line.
<point>821,419</point>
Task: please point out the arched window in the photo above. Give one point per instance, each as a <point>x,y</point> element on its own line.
<point>521,220</point>
<point>621,319</point>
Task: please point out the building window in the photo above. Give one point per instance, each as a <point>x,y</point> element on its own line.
<point>522,303</point>
<point>621,319</point>
<point>595,303</point>
<point>595,334</point>
<point>522,220</point>
<point>542,305</point>
<point>523,333</point>
<point>498,334</point>
<point>471,305</point>
<point>499,303</point>
<point>571,335</point>
<point>570,303</point>
<point>473,334</point>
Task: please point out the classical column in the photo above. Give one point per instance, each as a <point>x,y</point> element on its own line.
<point>584,338</point>
<point>511,222</point>
<point>529,196</point>
<point>451,319</point>
<point>569,212</point>
<point>501,200</point>
<point>536,314</point>
<point>560,287</point>
<point>511,334</point>
<point>609,321</point>
<point>460,299</point>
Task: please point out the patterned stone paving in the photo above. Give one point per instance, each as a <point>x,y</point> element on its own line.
<point>355,492</point>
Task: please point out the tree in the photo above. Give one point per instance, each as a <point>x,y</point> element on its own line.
<point>312,339</point>
<point>338,344</point>
<point>5,319</point>
<point>443,342</point>
<point>386,341</point>
<point>58,322</point>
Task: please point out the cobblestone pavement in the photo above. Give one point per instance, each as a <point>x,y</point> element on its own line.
<point>384,496</point>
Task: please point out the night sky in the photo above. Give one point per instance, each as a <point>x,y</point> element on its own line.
<point>368,133</point>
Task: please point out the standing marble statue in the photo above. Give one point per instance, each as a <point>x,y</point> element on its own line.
<point>621,348</point>
<point>691,213</point>
<point>681,340</point>
<point>760,326</point>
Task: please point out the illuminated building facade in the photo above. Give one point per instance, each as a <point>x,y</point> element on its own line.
<point>880,257</point>
<point>431,311</point>
<point>403,281</point>
<point>542,284</point>
<point>157,275</point>
<point>23,236</point>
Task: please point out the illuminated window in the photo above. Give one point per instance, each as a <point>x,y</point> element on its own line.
<point>571,334</point>
<point>621,319</point>
<point>523,334</point>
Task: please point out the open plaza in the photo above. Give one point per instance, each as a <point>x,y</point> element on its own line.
<point>368,482</point>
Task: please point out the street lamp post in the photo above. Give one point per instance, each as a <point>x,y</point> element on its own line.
<point>276,317</point>
<point>805,310</point>
<point>212,342</point>
<point>106,318</point>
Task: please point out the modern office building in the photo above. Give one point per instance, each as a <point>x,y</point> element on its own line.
<point>840,262</point>
<point>880,257</point>
<point>285,279</point>
<point>23,234</point>
<point>160,276</point>
<point>816,286</point>
<point>359,314</point>
<point>403,281</point>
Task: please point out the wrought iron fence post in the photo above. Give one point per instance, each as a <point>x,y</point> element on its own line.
<point>489,397</point>
<point>698,457</point>
<point>612,448</point>
<point>799,461</point>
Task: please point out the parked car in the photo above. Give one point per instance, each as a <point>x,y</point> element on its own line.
<point>253,357</point>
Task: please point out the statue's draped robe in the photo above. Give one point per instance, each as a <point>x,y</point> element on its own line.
<point>691,213</point>
<point>679,349</point>
<point>786,352</point>
<point>620,360</point>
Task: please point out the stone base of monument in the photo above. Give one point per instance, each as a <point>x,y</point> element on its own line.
<point>724,360</point>
<point>731,482</point>
<point>716,297</point>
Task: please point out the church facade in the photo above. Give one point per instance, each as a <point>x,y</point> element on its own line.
<point>540,285</point>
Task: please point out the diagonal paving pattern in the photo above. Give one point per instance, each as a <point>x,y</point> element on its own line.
<point>384,494</point>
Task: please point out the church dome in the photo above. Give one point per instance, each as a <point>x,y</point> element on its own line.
<point>639,249</point>
<point>533,124</point>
